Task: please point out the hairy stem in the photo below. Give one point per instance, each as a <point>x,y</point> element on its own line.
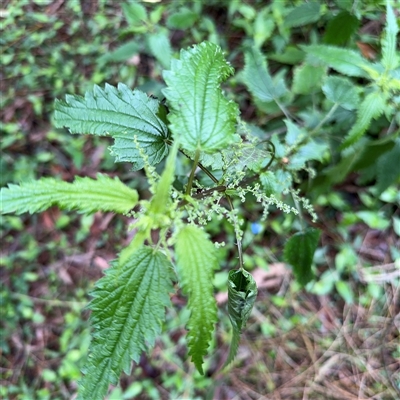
<point>191,177</point>
<point>238,239</point>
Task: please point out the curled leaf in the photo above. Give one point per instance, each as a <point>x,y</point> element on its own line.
<point>242,293</point>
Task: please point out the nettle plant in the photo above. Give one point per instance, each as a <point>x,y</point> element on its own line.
<point>196,122</point>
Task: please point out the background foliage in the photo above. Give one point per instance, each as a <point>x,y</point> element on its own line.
<point>337,338</point>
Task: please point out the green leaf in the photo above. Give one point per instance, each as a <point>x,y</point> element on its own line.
<point>294,133</point>
<point>307,78</point>
<point>134,13</point>
<point>299,251</point>
<point>390,57</point>
<point>303,14</point>
<point>84,194</point>
<point>341,91</point>
<point>201,117</point>
<point>128,309</point>
<point>374,219</point>
<point>269,182</point>
<point>340,28</point>
<point>120,113</point>
<point>121,53</point>
<point>309,151</point>
<point>196,261</point>
<point>388,168</point>
<point>183,19</point>
<point>160,47</point>
<point>258,80</point>
<point>345,61</point>
<point>371,108</point>
<point>242,293</point>
<point>345,291</point>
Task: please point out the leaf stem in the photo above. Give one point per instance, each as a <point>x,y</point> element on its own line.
<point>191,177</point>
<point>327,116</point>
<point>238,239</point>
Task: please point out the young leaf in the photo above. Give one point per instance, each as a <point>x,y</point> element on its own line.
<point>390,57</point>
<point>345,61</point>
<point>201,117</point>
<point>196,260</point>
<point>371,108</point>
<point>242,293</point>
<point>299,251</point>
<point>160,47</point>
<point>120,113</point>
<point>258,80</point>
<point>84,194</point>
<point>341,91</point>
<point>303,14</point>
<point>128,309</point>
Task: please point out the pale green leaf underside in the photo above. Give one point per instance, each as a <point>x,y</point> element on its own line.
<point>346,61</point>
<point>242,293</point>
<point>201,117</point>
<point>341,91</point>
<point>84,194</point>
<point>120,113</point>
<point>196,261</point>
<point>371,108</point>
<point>258,80</point>
<point>128,310</point>
<point>390,56</point>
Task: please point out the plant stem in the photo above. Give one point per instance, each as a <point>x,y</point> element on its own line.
<point>238,240</point>
<point>55,303</point>
<point>327,116</point>
<point>191,177</point>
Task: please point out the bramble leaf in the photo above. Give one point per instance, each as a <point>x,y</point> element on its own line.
<point>120,113</point>
<point>242,293</point>
<point>345,61</point>
<point>84,194</point>
<point>128,309</point>
<point>299,252</point>
<point>201,117</point>
<point>258,80</point>
<point>196,260</point>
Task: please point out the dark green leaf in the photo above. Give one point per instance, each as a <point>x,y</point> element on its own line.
<point>389,168</point>
<point>183,19</point>
<point>196,262</point>
<point>341,28</point>
<point>120,113</point>
<point>128,309</point>
<point>84,194</point>
<point>201,117</point>
<point>299,252</point>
